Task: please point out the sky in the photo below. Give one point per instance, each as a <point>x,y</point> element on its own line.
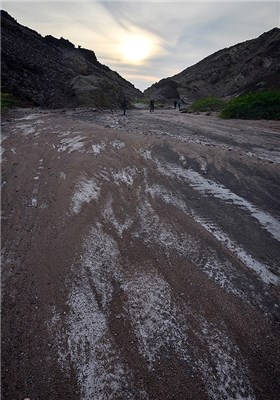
<point>148,40</point>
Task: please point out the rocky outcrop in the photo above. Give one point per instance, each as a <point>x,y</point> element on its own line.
<point>245,67</point>
<point>51,72</point>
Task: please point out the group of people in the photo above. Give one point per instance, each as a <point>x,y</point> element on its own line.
<point>176,102</point>
<point>124,105</point>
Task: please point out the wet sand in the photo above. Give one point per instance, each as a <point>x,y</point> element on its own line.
<point>140,256</point>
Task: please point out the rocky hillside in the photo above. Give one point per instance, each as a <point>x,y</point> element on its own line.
<point>53,73</point>
<point>245,67</point>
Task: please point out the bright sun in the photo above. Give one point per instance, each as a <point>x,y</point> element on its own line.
<point>136,49</point>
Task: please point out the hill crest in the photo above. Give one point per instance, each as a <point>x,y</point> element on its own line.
<point>248,66</point>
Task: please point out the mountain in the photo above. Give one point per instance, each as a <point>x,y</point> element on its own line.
<point>51,72</point>
<point>245,67</point>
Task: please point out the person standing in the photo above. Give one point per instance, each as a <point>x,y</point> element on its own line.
<point>152,106</point>
<point>179,104</point>
<point>175,104</point>
<point>124,105</point>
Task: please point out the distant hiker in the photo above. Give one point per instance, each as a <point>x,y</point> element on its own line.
<point>124,105</point>
<point>175,104</point>
<point>179,104</point>
<point>152,106</point>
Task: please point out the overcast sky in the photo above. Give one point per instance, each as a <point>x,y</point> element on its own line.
<point>148,40</point>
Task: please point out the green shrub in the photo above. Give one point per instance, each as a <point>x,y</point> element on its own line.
<point>259,105</point>
<point>210,103</point>
<point>7,101</point>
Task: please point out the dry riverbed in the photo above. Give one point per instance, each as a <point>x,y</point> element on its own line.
<point>140,256</point>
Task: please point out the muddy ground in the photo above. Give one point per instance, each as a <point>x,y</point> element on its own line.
<point>140,256</point>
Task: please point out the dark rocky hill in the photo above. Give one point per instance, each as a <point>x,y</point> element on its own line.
<point>53,73</point>
<point>245,67</point>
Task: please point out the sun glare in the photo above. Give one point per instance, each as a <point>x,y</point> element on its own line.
<point>136,49</point>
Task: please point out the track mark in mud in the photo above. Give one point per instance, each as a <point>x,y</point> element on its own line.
<point>208,187</point>
<point>160,326</point>
<point>174,243</point>
<point>84,336</point>
<point>224,271</point>
<point>88,345</point>
<point>261,269</point>
<point>224,370</point>
<point>101,261</point>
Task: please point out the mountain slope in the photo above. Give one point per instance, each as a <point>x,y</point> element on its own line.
<point>51,72</point>
<point>245,67</point>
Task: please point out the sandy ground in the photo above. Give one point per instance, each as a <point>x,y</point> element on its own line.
<point>140,256</point>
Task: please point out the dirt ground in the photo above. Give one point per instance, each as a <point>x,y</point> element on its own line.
<point>140,256</point>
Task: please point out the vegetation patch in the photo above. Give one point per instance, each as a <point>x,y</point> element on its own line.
<point>210,103</point>
<point>7,101</point>
<point>259,105</point>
